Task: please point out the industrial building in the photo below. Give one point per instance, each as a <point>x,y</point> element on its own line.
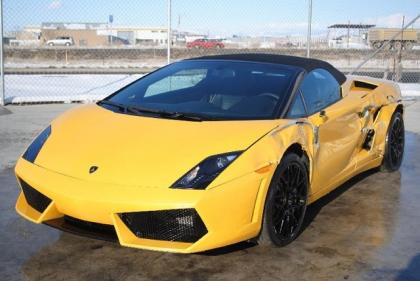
<point>94,34</point>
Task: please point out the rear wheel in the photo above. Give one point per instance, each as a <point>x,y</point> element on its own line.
<point>394,144</point>
<point>408,45</point>
<point>286,202</point>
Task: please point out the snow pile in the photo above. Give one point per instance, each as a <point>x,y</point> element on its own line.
<point>410,89</point>
<point>62,88</point>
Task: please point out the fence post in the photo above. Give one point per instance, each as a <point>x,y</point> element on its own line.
<point>169,32</point>
<point>2,94</point>
<point>308,39</point>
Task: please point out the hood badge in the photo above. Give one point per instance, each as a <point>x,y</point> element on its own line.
<point>93,169</point>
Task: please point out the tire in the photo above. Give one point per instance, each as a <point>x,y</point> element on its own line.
<point>286,203</point>
<point>67,44</point>
<point>397,45</point>
<point>408,45</point>
<point>51,44</point>
<point>394,144</point>
<point>377,45</point>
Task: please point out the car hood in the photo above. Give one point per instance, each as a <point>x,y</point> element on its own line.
<point>136,150</point>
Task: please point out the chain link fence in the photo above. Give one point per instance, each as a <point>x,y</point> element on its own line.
<point>81,51</point>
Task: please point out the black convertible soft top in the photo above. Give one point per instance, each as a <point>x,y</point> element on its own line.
<point>305,63</point>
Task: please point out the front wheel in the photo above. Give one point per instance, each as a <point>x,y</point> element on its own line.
<point>286,202</point>
<point>394,144</point>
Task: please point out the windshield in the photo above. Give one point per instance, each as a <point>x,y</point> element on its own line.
<point>208,90</point>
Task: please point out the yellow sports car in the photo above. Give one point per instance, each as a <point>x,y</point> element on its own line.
<point>210,151</point>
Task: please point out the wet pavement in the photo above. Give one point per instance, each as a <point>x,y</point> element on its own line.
<point>368,229</point>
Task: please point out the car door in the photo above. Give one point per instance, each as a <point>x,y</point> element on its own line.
<point>336,127</point>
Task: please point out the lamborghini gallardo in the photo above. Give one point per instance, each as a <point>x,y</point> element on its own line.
<point>210,151</point>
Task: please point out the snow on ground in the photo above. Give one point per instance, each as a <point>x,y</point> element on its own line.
<point>87,88</point>
<point>410,89</point>
<point>62,88</point>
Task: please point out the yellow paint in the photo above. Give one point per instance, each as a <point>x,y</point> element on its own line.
<point>139,158</point>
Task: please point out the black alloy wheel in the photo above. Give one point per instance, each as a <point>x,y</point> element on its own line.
<point>394,144</point>
<point>286,202</point>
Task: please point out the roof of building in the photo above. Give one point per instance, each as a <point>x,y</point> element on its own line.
<point>352,26</point>
<point>307,64</point>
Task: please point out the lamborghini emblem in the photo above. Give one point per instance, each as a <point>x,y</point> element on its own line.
<point>93,169</point>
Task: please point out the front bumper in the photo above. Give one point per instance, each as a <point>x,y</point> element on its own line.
<point>230,213</point>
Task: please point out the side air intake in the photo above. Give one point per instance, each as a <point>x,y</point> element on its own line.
<point>35,199</point>
<point>365,85</point>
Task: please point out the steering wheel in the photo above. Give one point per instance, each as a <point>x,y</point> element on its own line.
<point>270,95</point>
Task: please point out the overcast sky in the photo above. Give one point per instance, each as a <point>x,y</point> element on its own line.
<point>216,17</point>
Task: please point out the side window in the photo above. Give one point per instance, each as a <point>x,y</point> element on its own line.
<point>319,90</point>
<point>180,80</point>
<point>297,109</point>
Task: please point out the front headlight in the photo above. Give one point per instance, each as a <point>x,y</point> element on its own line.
<point>32,152</point>
<point>206,171</point>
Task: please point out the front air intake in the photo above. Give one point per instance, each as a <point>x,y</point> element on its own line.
<point>181,225</point>
<point>35,199</point>
<point>84,228</point>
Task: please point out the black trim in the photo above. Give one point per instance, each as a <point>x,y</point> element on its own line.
<point>364,85</point>
<point>84,228</point>
<point>296,89</point>
<point>35,199</point>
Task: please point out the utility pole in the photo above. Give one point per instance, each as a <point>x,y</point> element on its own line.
<point>111,20</point>
<point>348,34</point>
<point>169,32</point>
<point>398,64</point>
<point>2,94</point>
<point>308,39</point>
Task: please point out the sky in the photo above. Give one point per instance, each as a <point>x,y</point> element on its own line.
<point>215,17</point>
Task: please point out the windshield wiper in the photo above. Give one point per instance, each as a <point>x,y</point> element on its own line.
<point>166,114</point>
<point>139,110</point>
<point>111,103</point>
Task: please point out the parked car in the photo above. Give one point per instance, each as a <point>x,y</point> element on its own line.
<point>206,44</point>
<point>210,151</point>
<point>61,41</point>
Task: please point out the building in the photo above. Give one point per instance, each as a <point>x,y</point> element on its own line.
<point>101,35</point>
<point>104,34</point>
<point>83,34</point>
<point>348,35</point>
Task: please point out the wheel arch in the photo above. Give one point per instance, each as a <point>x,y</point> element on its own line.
<point>400,109</point>
<point>298,149</point>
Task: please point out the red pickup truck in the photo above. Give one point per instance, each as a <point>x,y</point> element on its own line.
<point>206,44</point>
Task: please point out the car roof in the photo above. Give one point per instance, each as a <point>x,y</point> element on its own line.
<point>306,63</point>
